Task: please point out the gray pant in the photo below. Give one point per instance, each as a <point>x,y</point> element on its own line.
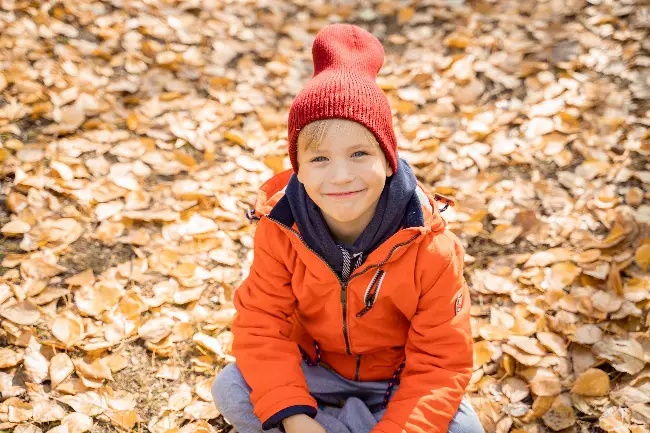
<point>232,397</point>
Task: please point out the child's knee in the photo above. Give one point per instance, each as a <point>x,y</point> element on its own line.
<point>226,386</point>
<point>466,420</point>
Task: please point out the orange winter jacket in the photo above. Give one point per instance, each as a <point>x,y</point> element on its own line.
<point>417,312</point>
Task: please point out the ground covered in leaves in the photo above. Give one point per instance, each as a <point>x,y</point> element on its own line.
<point>134,134</point>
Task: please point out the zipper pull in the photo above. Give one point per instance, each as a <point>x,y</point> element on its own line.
<point>372,292</point>
<point>364,311</point>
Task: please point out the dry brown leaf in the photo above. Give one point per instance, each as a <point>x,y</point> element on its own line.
<point>563,274</point>
<point>528,345</point>
<point>642,256</point>
<point>203,389</point>
<point>93,300</point>
<point>554,342</point>
<point>169,372</point>
<point>22,313</point>
<point>156,329</point>
<point>612,424</point>
<point>208,342</point>
<point>68,330</point>
<point>624,355</point>
<point>15,228</point>
<point>592,383</point>
<point>60,368</point>
<point>515,389</point>
<point>35,364</point>
<point>483,353</point>
<point>606,302</point>
<point>89,403</point>
<point>548,257</point>
<point>587,334</point>
<point>77,422</point>
<point>96,370</point>
<point>506,234</point>
<point>19,411</point>
<point>9,358</point>
<point>47,411</point>
<point>636,289</point>
<point>124,419</point>
<point>200,410</point>
<point>542,381</point>
<point>85,278</point>
<point>559,418</point>
<point>520,356</point>
<point>181,398</point>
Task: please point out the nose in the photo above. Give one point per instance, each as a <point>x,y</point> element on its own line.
<point>341,173</point>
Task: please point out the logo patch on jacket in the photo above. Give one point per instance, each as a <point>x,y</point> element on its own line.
<point>459,303</point>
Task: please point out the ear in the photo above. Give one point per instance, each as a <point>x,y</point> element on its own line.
<point>298,175</point>
<point>389,170</point>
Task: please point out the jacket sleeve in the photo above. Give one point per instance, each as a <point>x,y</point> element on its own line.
<point>438,347</point>
<point>267,357</point>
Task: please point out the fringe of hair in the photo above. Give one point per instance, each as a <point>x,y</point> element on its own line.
<point>311,136</point>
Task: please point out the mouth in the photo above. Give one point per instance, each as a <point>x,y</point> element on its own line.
<point>345,194</point>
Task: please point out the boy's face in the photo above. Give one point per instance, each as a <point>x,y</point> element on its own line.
<point>345,174</point>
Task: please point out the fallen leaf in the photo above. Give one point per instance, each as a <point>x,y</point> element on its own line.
<point>592,383</point>
<point>22,313</point>
<point>60,368</point>
<point>624,355</point>
<point>642,257</point>
<point>559,418</point>
<point>9,358</point>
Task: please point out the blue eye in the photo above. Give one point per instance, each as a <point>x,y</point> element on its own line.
<point>319,159</point>
<point>360,153</point>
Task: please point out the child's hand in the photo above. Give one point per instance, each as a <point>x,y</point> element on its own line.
<point>302,423</point>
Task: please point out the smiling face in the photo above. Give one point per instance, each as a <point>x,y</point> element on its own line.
<point>344,171</point>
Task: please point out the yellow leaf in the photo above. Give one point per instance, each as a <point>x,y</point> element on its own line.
<point>541,405</point>
<point>170,96</point>
<point>67,330</point>
<point>563,274</point>
<point>132,121</point>
<point>275,163</point>
<point>483,352</point>
<point>642,257</point>
<point>405,15</point>
<point>234,137</point>
<point>125,419</point>
<point>4,154</point>
<point>86,278</point>
<point>615,235</point>
<point>592,383</point>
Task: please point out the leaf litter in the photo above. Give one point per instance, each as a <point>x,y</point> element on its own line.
<point>133,139</point>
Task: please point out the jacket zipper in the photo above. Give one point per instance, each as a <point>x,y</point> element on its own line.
<point>371,294</point>
<point>344,284</point>
<point>390,253</point>
<point>356,373</point>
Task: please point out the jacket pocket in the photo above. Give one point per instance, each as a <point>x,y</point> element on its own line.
<point>372,292</point>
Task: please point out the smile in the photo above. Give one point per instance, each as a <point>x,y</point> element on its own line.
<point>345,194</point>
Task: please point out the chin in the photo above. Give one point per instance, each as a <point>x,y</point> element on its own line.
<point>343,216</point>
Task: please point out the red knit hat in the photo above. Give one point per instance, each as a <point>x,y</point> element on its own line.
<point>346,62</point>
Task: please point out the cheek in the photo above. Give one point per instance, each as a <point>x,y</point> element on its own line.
<point>311,181</point>
<point>376,177</point>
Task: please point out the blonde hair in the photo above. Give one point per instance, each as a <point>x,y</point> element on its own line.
<point>311,136</point>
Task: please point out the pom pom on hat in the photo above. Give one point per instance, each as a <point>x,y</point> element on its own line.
<point>346,62</point>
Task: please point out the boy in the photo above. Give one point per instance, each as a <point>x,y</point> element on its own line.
<point>353,273</point>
